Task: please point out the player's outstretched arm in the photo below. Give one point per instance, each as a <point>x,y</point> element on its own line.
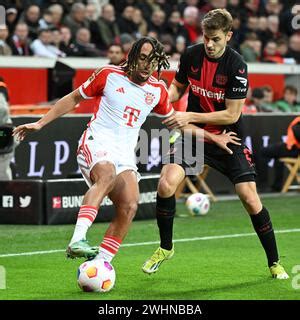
<point>224,117</point>
<point>61,107</point>
<point>221,140</point>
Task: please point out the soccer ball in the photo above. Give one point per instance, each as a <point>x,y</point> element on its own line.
<point>198,204</point>
<point>96,275</point>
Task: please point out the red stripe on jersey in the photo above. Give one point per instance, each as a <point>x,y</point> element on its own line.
<point>164,107</point>
<point>86,148</point>
<point>82,142</point>
<point>207,76</point>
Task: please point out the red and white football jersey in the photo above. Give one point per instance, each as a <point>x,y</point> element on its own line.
<point>123,105</point>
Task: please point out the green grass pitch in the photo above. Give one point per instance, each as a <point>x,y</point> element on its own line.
<point>211,268</point>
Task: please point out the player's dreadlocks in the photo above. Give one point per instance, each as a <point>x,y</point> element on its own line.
<point>157,54</point>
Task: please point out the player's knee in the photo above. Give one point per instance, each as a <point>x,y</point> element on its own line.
<point>129,209</point>
<point>166,188</point>
<point>251,201</point>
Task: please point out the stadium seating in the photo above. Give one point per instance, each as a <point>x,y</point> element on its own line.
<point>293,165</point>
<point>195,184</point>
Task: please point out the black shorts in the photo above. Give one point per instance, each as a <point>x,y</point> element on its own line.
<point>237,167</point>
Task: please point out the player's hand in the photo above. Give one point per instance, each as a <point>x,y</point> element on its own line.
<point>224,138</point>
<point>177,120</point>
<point>21,131</point>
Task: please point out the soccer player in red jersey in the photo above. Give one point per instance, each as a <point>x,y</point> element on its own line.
<point>218,84</point>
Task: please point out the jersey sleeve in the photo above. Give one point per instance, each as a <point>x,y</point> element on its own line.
<point>182,71</point>
<point>94,85</point>
<point>164,107</point>
<point>238,82</point>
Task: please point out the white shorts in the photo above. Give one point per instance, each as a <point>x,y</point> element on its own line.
<point>91,151</point>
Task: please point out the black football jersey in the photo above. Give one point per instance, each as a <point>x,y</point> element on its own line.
<point>212,81</point>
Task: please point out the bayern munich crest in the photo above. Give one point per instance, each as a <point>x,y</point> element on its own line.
<point>149,98</point>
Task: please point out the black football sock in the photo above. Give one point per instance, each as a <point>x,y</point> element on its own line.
<point>165,212</point>
<point>263,227</point>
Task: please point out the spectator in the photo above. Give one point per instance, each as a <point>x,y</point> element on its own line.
<point>105,30</point>
<point>180,46</point>
<point>56,38</point>
<point>11,19</point>
<point>252,7</point>
<point>235,8</point>
<point>294,47</point>
<point>153,34</point>
<point>273,7</point>
<point>19,42</point>
<point>283,47</point>
<point>83,46</point>
<point>5,49</point>
<point>56,11</point>
<point>175,27</point>
<point>192,24</point>
<point>140,22</point>
<point>46,21</point>
<point>115,54</point>
<point>66,44</point>
<point>168,43</point>
<point>290,148</point>
<point>42,46</point>
<point>126,41</point>
<point>194,3</point>
<point>76,19</point>
<point>263,23</point>
<point>125,22</point>
<point>258,101</point>
<point>271,54</point>
<point>251,48</point>
<point>8,143</point>
<point>91,13</point>
<point>238,32</point>
<point>252,24</point>
<point>273,27</point>
<point>213,4</point>
<point>31,17</point>
<point>98,8</point>
<point>288,103</point>
<point>157,22</point>
<point>268,95</point>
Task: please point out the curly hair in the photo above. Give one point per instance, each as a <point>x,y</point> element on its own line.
<point>157,54</point>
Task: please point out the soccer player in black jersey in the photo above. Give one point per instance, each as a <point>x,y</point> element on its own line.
<point>217,76</point>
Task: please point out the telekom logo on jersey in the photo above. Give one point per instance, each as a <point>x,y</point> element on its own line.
<point>131,114</point>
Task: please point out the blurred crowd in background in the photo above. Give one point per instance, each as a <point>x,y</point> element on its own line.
<point>264,31</point>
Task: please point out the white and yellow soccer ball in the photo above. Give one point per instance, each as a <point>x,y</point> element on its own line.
<point>96,275</point>
<point>198,204</point>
